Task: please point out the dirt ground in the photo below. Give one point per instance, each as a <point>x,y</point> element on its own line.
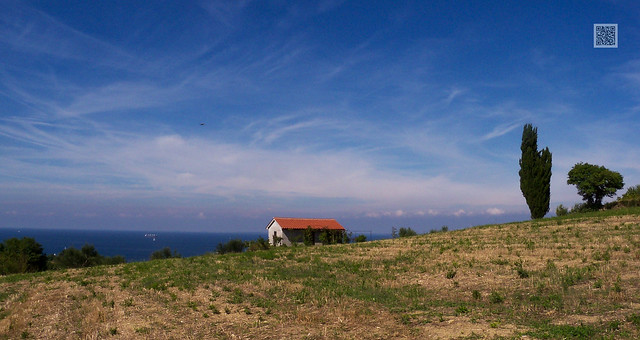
<point>468,284</point>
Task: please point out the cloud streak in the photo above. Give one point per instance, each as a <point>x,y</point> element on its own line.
<point>501,130</point>
<point>196,166</point>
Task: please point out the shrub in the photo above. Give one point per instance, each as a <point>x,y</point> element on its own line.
<point>332,236</point>
<point>259,244</point>
<point>360,238</point>
<point>277,240</point>
<point>581,208</point>
<point>308,236</point>
<point>164,253</point>
<point>21,256</point>
<point>561,210</point>
<point>631,198</point>
<point>109,260</point>
<point>406,232</point>
<point>87,256</point>
<point>233,246</point>
<point>633,193</point>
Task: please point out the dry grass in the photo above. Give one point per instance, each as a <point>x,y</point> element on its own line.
<point>555,278</point>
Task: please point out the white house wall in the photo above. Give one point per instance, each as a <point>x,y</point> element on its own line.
<point>286,236</point>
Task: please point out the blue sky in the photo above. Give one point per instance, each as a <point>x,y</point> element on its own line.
<point>379,114</point>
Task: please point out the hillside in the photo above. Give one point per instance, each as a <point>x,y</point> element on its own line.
<point>573,277</point>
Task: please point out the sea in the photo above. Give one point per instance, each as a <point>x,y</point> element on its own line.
<point>135,246</point>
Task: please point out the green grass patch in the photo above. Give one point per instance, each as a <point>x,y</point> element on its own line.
<point>547,330</point>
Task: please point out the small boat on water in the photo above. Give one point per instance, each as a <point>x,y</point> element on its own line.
<point>151,236</point>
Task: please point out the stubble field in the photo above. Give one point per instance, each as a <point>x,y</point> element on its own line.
<point>574,277</point>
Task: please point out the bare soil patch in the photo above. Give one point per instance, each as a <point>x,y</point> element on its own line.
<point>555,278</point>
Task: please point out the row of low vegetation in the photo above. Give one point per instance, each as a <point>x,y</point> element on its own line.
<point>325,237</point>
<point>631,198</point>
<point>26,255</point>
<point>407,232</point>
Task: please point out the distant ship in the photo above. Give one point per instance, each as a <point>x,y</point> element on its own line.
<point>151,236</point>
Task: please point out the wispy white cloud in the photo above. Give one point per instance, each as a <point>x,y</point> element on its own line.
<point>268,131</point>
<point>460,212</point>
<point>495,211</point>
<point>29,30</point>
<point>501,130</point>
<point>225,12</point>
<point>194,166</point>
<point>453,94</point>
<point>122,97</point>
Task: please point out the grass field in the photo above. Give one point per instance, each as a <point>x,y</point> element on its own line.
<point>576,277</point>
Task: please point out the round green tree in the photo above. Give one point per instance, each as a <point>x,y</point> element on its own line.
<point>594,183</point>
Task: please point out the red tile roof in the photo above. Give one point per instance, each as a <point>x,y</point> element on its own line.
<point>303,223</point>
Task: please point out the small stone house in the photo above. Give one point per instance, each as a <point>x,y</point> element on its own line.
<point>286,231</point>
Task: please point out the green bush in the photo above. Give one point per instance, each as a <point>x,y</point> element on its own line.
<point>581,208</point>
<point>88,256</point>
<point>406,232</point>
<point>631,198</point>
<point>360,238</point>
<point>324,237</point>
<point>633,193</point>
<point>561,211</point>
<point>164,253</point>
<point>21,256</point>
<point>233,246</point>
<point>259,244</point>
<point>308,236</point>
<point>333,236</point>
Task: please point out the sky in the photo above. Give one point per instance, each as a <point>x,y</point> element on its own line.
<point>219,115</point>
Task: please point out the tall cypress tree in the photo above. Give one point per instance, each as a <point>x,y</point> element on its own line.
<point>535,173</point>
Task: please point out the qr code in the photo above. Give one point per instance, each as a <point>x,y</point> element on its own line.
<point>605,35</point>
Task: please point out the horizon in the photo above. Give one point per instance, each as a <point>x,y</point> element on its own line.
<point>215,116</point>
